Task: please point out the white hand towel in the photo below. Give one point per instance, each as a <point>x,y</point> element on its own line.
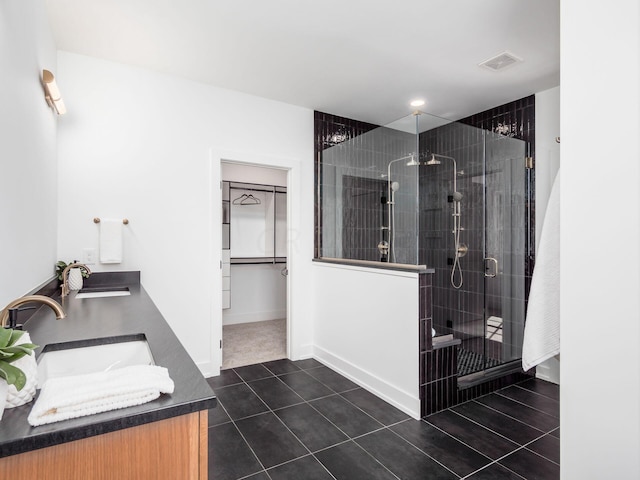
<point>542,327</point>
<point>75,396</point>
<point>110,241</point>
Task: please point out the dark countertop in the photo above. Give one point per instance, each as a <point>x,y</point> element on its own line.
<point>91,318</point>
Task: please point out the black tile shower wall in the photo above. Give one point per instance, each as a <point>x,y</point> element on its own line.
<point>362,215</point>
<point>330,130</point>
<point>439,389</point>
<point>425,312</point>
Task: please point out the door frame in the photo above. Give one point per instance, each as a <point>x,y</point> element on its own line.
<point>217,157</point>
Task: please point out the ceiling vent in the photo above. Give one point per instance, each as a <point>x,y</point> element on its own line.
<point>500,61</point>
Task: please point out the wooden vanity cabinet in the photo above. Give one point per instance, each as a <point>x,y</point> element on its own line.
<point>171,449</point>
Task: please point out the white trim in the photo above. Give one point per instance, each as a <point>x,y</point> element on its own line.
<point>293,167</point>
<point>371,270</point>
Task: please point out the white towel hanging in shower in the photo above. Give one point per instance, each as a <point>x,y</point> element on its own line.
<point>542,326</point>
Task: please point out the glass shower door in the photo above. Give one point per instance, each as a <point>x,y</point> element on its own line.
<point>504,249</point>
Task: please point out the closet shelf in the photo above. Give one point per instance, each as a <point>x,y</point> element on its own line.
<point>257,260</point>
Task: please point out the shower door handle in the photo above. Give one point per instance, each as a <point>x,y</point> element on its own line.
<point>486,267</point>
<point>284,272</point>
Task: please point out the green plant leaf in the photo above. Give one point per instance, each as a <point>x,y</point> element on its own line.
<point>12,375</point>
<point>5,336</point>
<point>15,336</point>
<point>18,349</point>
<point>13,357</point>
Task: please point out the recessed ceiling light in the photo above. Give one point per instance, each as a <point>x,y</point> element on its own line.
<point>417,103</point>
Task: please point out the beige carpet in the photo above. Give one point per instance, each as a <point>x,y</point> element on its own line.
<point>257,342</point>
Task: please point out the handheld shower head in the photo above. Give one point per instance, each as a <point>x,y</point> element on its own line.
<point>395,186</point>
<point>457,196</point>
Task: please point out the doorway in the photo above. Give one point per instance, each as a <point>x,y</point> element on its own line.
<point>254,228</point>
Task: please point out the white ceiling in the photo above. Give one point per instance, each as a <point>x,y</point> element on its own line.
<point>363,59</point>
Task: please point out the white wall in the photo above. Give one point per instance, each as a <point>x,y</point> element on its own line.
<point>547,150</point>
<point>28,162</point>
<point>367,329</point>
<point>235,172</point>
<point>146,146</point>
<point>600,235</point>
<point>547,165</point>
<point>258,293</point>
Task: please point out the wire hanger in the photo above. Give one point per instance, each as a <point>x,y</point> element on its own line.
<point>247,199</point>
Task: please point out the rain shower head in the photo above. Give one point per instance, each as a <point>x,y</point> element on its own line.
<point>412,162</point>
<point>433,160</point>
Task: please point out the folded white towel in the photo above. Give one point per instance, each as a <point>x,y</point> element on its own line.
<point>79,395</point>
<point>542,327</point>
<point>110,241</point>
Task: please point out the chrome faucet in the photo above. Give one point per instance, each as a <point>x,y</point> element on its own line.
<point>55,306</point>
<point>65,276</point>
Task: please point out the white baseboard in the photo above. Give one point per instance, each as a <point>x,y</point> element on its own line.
<point>549,370</point>
<point>207,370</point>
<point>234,319</point>
<point>302,353</point>
<point>405,401</point>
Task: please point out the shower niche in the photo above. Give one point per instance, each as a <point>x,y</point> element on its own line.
<point>456,199</point>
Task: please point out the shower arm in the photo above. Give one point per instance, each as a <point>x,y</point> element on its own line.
<point>455,169</point>
<point>389,176</point>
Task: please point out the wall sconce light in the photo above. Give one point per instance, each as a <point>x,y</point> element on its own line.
<point>52,93</point>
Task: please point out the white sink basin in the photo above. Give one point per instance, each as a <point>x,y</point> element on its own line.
<point>96,358</point>
<point>95,292</point>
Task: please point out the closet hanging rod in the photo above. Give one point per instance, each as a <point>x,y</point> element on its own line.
<point>257,187</point>
<point>248,189</point>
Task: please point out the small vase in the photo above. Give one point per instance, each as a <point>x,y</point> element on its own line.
<point>75,279</point>
<point>29,366</point>
<point>4,387</point>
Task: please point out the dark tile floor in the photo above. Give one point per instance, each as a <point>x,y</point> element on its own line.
<point>301,420</point>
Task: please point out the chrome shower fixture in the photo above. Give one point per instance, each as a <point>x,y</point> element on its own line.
<point>392,188</point>
<point>383,248</point>
<point>460,249</point>
<point>433,160</point>
<point>413,162</point>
